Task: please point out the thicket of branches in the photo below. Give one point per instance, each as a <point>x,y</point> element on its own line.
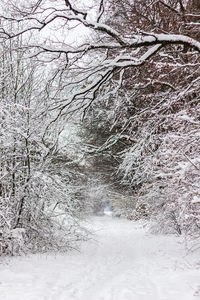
<point>135,79</point>
<point>156,110</point>
<point>41,199</point>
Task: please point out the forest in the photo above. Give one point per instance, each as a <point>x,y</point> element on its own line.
<point>99,106</point>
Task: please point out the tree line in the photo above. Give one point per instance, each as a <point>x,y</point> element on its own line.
<point>134,83</point>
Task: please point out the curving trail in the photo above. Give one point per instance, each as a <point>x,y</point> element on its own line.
<point>123,263</point>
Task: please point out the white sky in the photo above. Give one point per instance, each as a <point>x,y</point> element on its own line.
<point>72,33</point>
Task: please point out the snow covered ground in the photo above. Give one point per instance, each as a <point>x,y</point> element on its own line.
<point>123,263</point>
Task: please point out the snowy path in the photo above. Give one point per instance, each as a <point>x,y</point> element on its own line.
<point>124,263</point>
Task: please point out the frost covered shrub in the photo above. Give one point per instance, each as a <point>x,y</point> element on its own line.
<point>55,220</point>
<point>163,167</point>
<point>179,169</point>
<point>46,218</point>
<point>12,242</point>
